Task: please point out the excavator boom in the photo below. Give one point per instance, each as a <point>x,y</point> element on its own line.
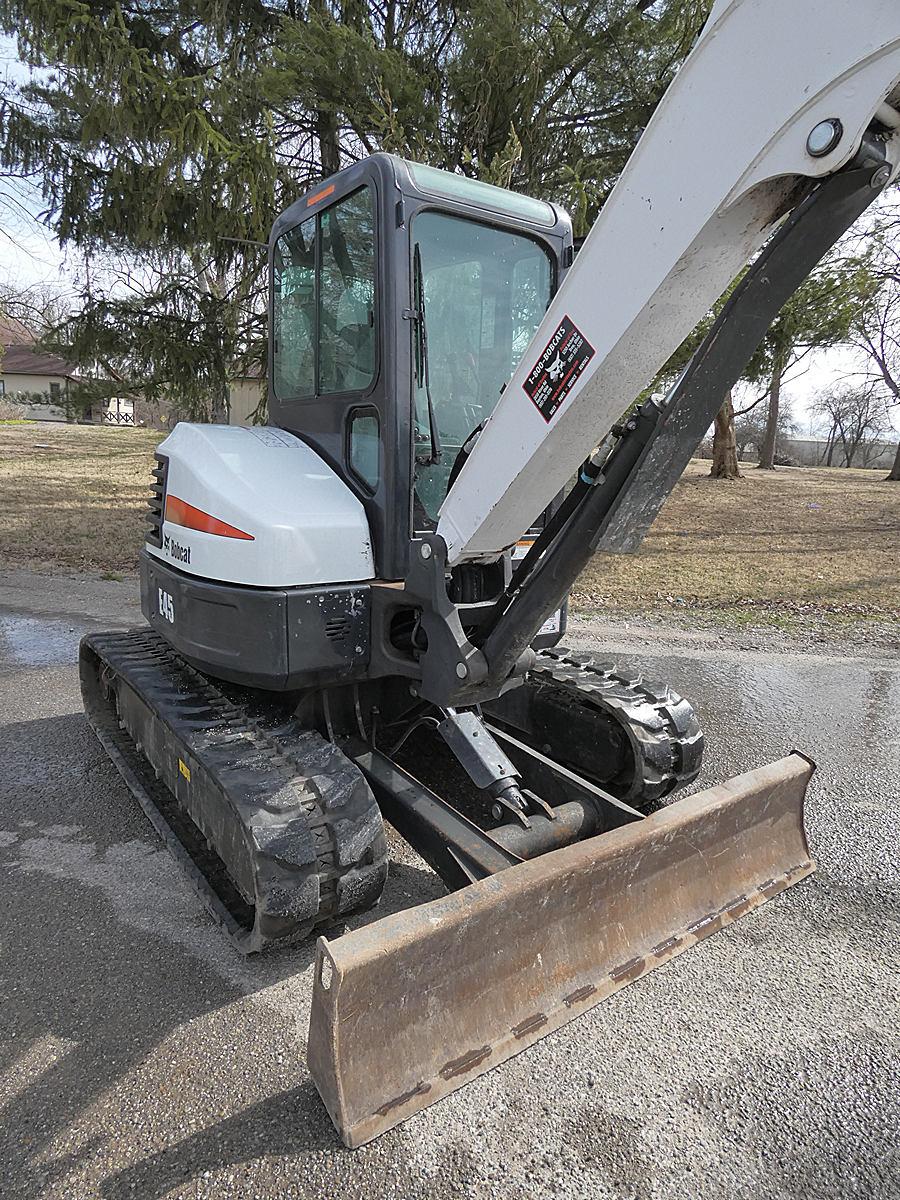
<point>773,96</point>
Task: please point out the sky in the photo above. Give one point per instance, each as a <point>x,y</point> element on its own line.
<point>30,255</point>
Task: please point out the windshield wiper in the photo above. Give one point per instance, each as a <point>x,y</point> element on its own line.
<point>422,376</point>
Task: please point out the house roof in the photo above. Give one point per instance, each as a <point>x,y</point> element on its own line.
<point>14,333</point>
<point>250,373</point>
<point>25,360</point>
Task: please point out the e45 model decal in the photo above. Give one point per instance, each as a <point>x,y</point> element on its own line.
<point>556,371</point>
<point>166,605</point>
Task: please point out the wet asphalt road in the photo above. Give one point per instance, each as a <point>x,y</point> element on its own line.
<point>140,1056</point>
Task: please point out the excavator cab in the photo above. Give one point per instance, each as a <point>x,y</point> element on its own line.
<point>402,297</point>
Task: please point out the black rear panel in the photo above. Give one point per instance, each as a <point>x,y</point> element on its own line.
<point>273,638</point>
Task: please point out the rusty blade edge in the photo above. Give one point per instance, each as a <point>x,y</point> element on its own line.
<point>461,1070</point>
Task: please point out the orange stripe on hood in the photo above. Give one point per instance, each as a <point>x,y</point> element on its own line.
<point>179,512</point>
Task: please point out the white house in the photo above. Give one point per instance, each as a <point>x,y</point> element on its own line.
<point>29,372</point>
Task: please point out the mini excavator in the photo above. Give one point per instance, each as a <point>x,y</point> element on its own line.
<point>355,612</point>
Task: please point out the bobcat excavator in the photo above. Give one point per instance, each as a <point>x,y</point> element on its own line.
<point>355,612</point>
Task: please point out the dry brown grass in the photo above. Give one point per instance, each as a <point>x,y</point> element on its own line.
<point>828,539</point>
<point>74,494</point>
<point>825,538</point>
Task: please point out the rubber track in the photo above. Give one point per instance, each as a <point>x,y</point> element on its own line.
<point>310,833</point>
<point>661,726</point>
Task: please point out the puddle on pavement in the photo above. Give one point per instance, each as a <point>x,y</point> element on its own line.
<point>853,705</point>
<point>37,641</point>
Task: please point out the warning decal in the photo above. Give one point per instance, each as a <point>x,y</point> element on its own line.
<point>554,374</point>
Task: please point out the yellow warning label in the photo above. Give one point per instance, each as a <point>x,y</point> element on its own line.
<point>185,770</point>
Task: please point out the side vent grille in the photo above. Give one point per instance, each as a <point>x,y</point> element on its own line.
<point>337,629</point>
<point>157,502</point>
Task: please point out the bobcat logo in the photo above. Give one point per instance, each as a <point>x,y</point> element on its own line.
<point>555,369</point>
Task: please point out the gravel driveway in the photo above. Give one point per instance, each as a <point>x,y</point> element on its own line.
<point>140,1056</point>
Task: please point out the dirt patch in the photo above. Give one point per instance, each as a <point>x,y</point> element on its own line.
<point>74,494</point>
<point>791,539</point>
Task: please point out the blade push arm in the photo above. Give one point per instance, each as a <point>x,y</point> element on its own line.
<point>772,97</point>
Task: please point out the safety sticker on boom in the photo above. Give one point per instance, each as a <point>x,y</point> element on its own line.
<point>555,373</point>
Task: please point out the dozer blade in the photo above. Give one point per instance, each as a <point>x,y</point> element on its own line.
<point>414,1006</point>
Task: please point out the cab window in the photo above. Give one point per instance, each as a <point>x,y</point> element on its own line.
<point>294,312</point>
<point>481,292</point>
<point>323,302</point>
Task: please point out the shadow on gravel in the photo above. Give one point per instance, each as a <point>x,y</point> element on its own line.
<point>610,1144</point>
<point>105,955</point>
<point>290,1124</point>
<point>73,976</point>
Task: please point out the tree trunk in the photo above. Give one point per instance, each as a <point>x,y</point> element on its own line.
<point>219,404</point>
<point>327,133</point>
<point>329,143</point>
<point>767,449</point>
<point>844,446</point>
<point>725,460</point>
<point>894,476</point>
<point>219,410</point>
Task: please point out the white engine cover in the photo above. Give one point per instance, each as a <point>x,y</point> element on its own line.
<point>293,521</point>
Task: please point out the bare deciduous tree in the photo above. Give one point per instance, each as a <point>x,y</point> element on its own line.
<point>879,337</point>
<point>751,423</point>
<point>857,418</point>
<point>876,329</point>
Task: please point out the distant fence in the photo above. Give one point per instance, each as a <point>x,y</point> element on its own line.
<point>877,455</point>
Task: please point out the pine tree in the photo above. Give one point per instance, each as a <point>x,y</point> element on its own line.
<point>154,147</point>
<point>168,135</point>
